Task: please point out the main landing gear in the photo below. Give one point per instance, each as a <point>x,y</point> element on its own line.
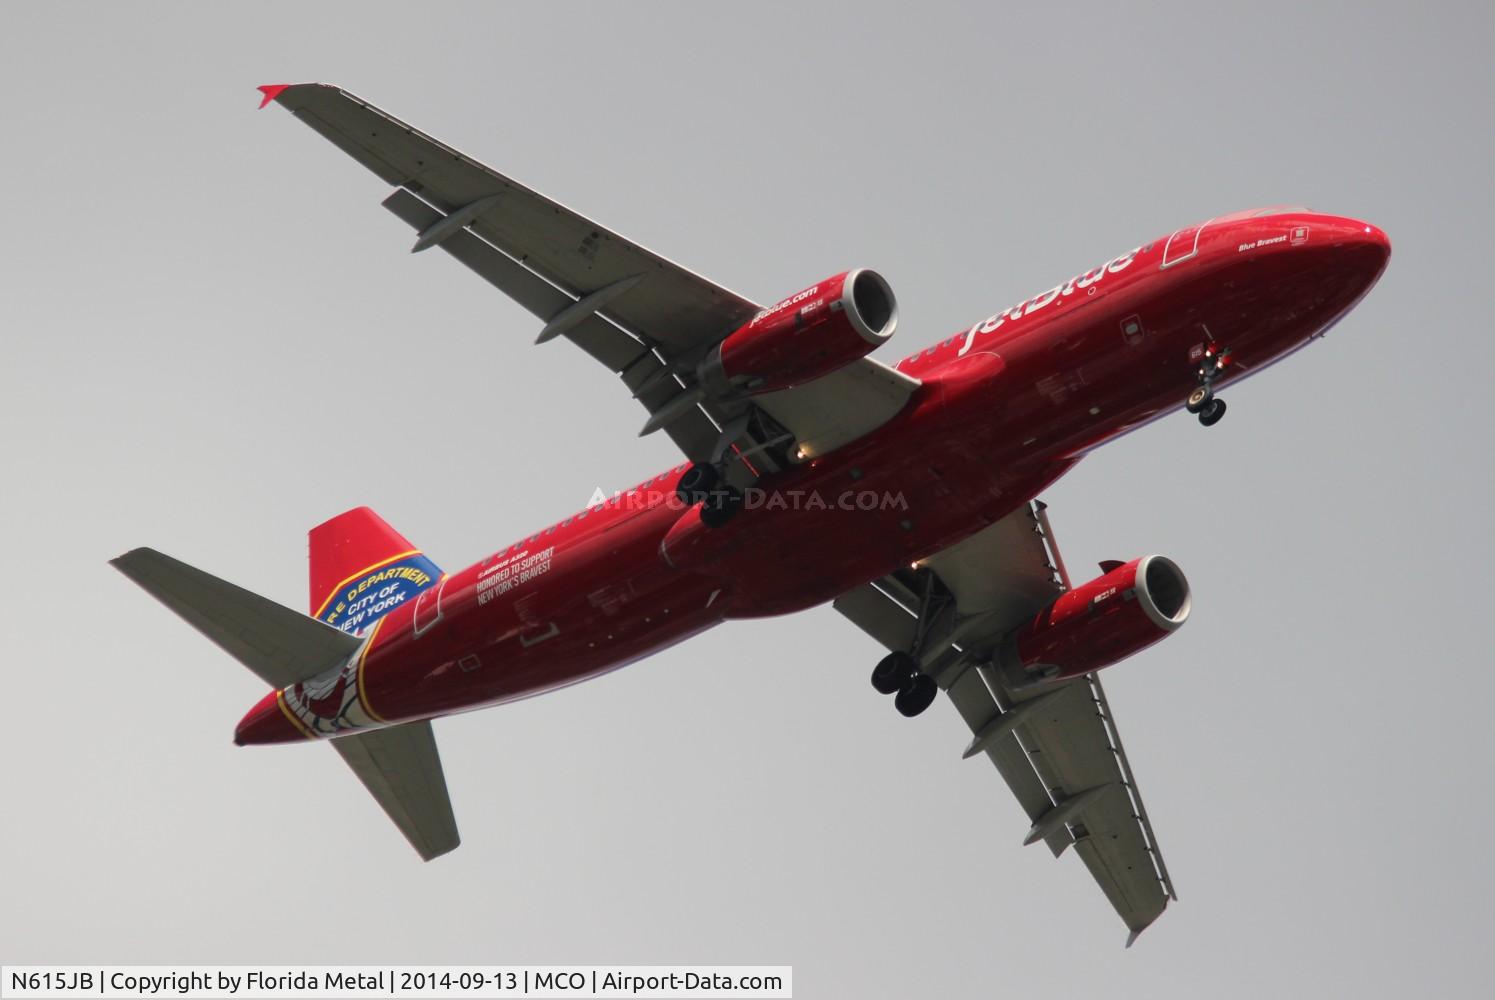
<point>900,673</point>
<point>1202,400</point>
<point>702,484</point>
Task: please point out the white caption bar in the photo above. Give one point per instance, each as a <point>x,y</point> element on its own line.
<point>364,982</point>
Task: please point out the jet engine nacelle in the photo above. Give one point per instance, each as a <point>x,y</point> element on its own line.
<point>1099,623</point>
<point>810,334</point>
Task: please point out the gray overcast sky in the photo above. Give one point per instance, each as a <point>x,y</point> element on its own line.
<point>214,338</point>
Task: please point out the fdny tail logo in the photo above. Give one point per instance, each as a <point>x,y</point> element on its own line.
<point>361,569</point>
<point>364,598</point>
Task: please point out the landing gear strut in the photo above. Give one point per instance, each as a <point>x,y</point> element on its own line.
<point>1202,400</point>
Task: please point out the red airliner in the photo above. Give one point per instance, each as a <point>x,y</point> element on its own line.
<point>904,494</point>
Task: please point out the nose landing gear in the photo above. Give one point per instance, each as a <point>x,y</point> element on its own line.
<point>1202,400</point>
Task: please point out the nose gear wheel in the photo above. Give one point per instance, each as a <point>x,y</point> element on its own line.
<point>1202,400</point>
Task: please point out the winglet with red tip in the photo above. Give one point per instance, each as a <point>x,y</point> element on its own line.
<point>271,92</point>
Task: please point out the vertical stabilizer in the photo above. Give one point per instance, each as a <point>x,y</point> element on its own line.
<point>362,569</point>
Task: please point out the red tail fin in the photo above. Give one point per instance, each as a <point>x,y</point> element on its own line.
<point>362,569</point>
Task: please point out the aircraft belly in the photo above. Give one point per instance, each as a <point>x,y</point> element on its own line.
<point>606,602</point>
<point>982,437</point>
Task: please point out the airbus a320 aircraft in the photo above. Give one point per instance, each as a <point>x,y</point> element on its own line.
<point>905,494</point>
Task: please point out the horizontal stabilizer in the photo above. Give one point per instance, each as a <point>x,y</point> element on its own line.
<point>401,767</point>
<point>280,645</point>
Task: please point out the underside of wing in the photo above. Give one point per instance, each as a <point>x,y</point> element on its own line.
<point>648,320</point>
<point>1075,747</point>
<point>562,246</point>
<point>642,366</point>
<point>838,408</point>
<point>1055,744</point>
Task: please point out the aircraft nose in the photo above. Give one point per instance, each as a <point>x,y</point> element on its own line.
<point>1375,238</point>
<point>267,722</point>
<point>1346,253</point>
<point>1370,250</point>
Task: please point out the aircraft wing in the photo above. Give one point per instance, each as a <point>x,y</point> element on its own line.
<point>647,319</point>
<point>401,767</point>
<point>1056,745</point>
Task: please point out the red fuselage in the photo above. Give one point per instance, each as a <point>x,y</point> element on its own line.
<point>1005,408</point>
